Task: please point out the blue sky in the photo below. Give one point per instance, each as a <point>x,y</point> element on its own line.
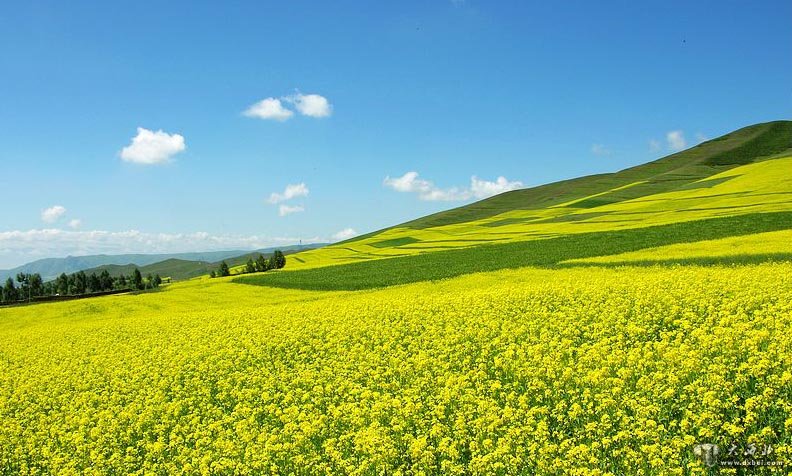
<point>529,91</point>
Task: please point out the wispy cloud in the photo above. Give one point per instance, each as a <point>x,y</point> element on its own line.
<point>426,190</point>
<point>345,234</point>
<point>52,214</point>
<point>654,145</point>
<point>270,108</point>
<point>17,247</point>
<point>75,223</point>
<point>600,150</point>
<point>150,148</point>
<point>291,191</point>
<point>701,138</point>
<point>284,210</point>
<point>676,140</point>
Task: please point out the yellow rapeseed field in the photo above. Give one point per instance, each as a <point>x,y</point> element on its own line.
<point>576,371</point>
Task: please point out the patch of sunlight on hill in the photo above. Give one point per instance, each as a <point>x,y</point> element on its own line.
<point>759,187</point>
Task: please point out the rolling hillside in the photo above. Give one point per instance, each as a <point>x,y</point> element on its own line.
<point>178,269</point>
<point>737,184</point>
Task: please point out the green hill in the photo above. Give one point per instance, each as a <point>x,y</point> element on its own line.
<point>735,185</point>
<point>743,146</point>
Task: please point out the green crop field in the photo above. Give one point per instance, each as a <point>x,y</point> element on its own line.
<point>598,326</point>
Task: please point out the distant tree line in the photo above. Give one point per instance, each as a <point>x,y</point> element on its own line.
<point>259,265</point>
<point>29,287</point>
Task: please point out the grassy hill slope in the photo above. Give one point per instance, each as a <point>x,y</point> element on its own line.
<point>746,174</point>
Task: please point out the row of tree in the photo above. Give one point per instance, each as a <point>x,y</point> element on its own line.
<point>260,264</point>
<point>29,287</point>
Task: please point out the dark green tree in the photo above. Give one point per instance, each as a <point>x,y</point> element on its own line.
<point>262,264</point>
<point>156,281</point>
<point>137,279</point>
<point>62,284</point>
<point>122,282</point>
<point>224,271</point>
<point>36,285</point>
<point>280,260</point>
<point>105,280</point>
<point>80,283</point>
<point>24,285</point>
<point>212,274</point>
<point>94,285</point>
<point>10,292</point>
<point>250,267</point>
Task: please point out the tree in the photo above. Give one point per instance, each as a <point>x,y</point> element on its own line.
<point>261,263</point>
<point>105,280</point>
<point>137,279</point>
<point>212,274</point>
<point>250,267</point>
<point>94,285</point>
<point>224,271</point>
<point>156,281</point>
<point>10,291</point>
<point>280,260</point>
<point>122,281</point>
<point>36,285</point>
<point>24,285</point>
<point>62,284</point>
<point>80,283</point>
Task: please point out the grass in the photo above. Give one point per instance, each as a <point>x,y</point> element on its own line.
<point>541,253</point>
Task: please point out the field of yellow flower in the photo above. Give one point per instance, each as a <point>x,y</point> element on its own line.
<point>532,371</point>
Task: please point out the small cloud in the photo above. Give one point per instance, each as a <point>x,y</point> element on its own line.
<point>270,108</point>
<point>75,223</point>
<point>427,191</point>
<point>284,210</point>
<point>312,105</point>
<point>291,191</point>
<point>483,188</point>
<point>701,138</point>
<point>409,182</point>
<point>600,150</point>
<point>345,234</point>
<point>149,147</point>
<point>654,145</point>
<point>52,214</point>
<point>676,140</point>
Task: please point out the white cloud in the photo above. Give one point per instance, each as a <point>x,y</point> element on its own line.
<point>483,189</point>
<point>426,190</point>
<point>52,214</point>
<point>291,191</point>
<point>676,140</point>
<point>149,147</point>
<point>270,108</point>
<point>409,182</point>
<point>312,105</point>
<point>75,223</point>
<point>600,150</point>
<point>654,145</point>
<point>17,247</point>
<point>284,210</point>
<point>345,234</point>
